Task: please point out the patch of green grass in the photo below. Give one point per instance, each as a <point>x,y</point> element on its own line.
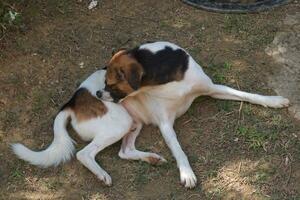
<point>142,176</point>
<point>53,184</point>
<point>226,106</point>
<point>254,30</point>
<point>194,158</point>
<point>219,78</point>
<point>211,173</point>
<point>219,72</point>
<point>227,65</point>
<point>9,18</point>
<point>247,109</point>
<point>255,138</point>
<point>237,23</point>
<point>17,174</point>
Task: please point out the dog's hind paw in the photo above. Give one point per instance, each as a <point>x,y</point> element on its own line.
<point>276,102</point>
<point>155,159</point>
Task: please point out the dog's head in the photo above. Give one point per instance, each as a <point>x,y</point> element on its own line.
<point>124,75</point>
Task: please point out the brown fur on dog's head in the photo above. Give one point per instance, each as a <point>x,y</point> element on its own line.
<point>124,75</point>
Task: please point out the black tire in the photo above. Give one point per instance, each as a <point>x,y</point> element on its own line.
<point>236,7</point>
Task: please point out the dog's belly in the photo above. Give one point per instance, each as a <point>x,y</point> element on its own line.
<point>185,105</point>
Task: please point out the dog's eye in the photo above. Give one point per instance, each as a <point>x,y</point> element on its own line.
<point>120,75</point>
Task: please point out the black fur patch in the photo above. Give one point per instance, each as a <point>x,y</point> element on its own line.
<point>162,67</point>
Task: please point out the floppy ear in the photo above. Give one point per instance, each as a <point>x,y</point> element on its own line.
<point>117,54</point>
<point>135,76</point>
<point>115,51</point>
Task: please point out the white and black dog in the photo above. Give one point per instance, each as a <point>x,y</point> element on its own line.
<point>157,83</point>
<point>102,122</point>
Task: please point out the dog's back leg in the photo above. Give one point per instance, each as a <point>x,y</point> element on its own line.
<point>87,157</point>
<point>128,150</point>
<point>225,92</point>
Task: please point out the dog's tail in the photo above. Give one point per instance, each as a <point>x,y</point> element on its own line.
<point>60,150</point>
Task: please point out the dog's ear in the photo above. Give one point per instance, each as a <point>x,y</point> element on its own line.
<point>135,75</point>
<point>116,55</point>
<point>115,51</point>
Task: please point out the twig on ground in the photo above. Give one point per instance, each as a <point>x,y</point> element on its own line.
<point>194,195</point>
<point>240,166</point>
<point>242,103</point>
<point>186,122</point>
<point>290,173</point>
<point>229,113</point>
<point>240,109</point>
<point>54,103</point>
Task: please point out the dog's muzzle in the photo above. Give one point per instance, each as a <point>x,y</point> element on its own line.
<point>103,95</point>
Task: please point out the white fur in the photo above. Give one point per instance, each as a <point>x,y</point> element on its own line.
<point>60,150</point>
<point>161,105</point>
<point>103,131</point>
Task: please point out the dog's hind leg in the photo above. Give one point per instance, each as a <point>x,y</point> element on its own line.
<point>87,157</point>
<point>224,92</point>
<point>128,150</point>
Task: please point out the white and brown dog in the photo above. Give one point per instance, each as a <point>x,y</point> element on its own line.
<point>157,83</point>
<point>102,122</point>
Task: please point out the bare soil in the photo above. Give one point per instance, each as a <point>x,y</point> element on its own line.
<point>237,150</point>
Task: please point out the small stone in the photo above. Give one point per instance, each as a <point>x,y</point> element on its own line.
<point>81,65</point>
<point>92,4</point>
<point>232,81</point>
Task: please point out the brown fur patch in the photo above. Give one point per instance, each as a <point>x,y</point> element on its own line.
<point>154,161</point>
<point>85,105</point>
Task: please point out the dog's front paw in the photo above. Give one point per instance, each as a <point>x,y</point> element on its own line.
<point>187,177</point>
<point>105,177</point>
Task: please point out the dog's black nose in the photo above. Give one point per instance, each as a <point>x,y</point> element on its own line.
<point>99,93</point>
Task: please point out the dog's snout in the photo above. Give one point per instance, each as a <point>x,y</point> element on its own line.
<point>99,93</point>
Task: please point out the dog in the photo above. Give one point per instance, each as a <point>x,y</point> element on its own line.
<point>157,82</point>
<point>101,122</point>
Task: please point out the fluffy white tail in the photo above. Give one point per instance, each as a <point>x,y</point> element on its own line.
<point>60,150</point>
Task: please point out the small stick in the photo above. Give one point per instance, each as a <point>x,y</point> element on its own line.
<point>197,195</point>
<point>240,166</point>
<point>186,122</point>
<point>242,103</point>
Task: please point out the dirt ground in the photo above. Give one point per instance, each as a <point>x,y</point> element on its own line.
<point>237,150</point>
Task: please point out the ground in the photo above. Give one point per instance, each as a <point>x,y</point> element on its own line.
<point>237,150</point>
